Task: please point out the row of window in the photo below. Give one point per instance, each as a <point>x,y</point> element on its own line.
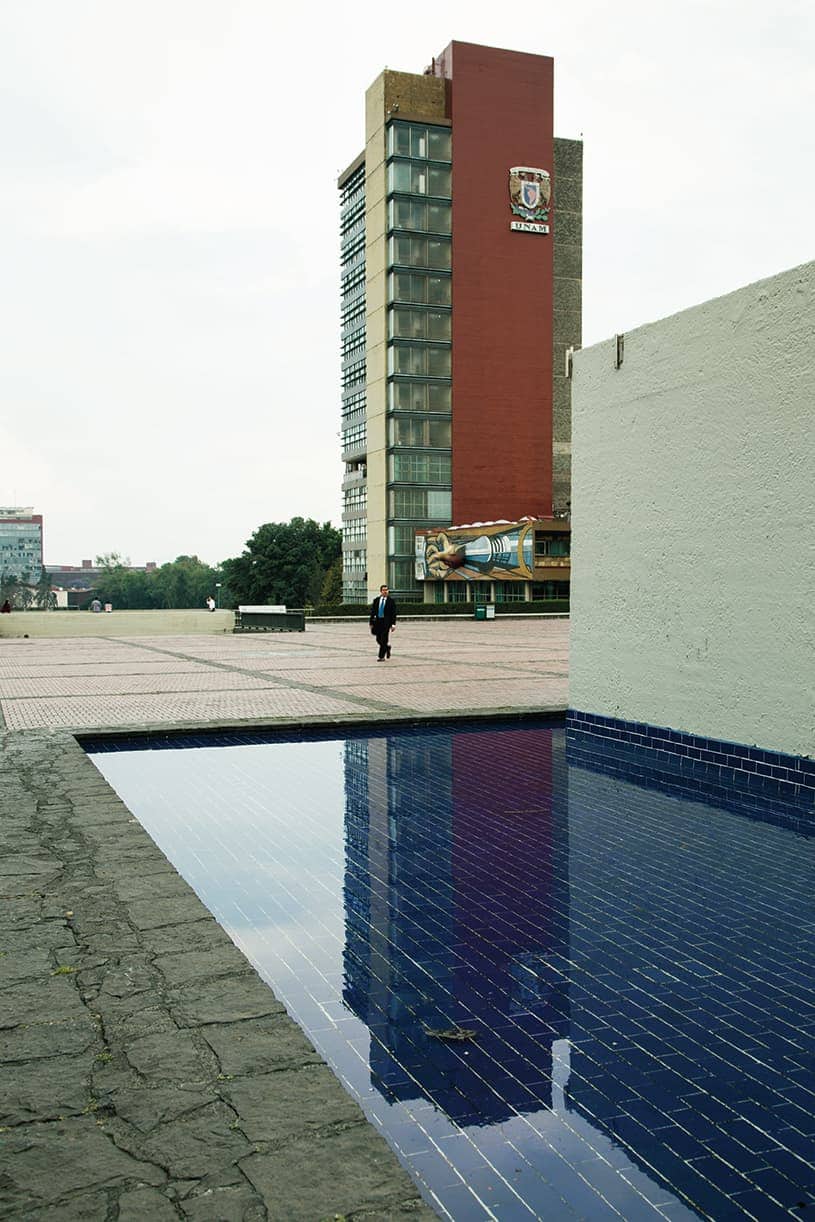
<point>420,288</point>
<point>411,251</point>
<point>498,591</point>
<point>352,221</point>
<point>353,348</point>
<point>352,226</point>
<point>420,503</point>
<point>353,438</point>
<point>353,563</point>
<point>401,540</point>
<point>419,362</point>
<point>353,279</point>
<point>353,401</point>
<point>352,245</point>
<point>354,375</point>
<point>354,327</point>
<point>352,195</point>
<point>419,397</point>
<point>405,323</point>
<point>419,434</point>
<point>354,500</point>
<point>402,576</point>
<point>551,545</point>
<point>354,532</point>
<point>355,591</point>
<point>416,140</point>
<point>428,468</point>
<point>420,215</point>
<point>416,179</point>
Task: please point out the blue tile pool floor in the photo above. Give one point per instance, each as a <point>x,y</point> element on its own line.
<point>636,968</point>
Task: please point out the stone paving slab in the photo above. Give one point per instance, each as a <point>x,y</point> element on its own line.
<point>64,669</point>
<point>103,685</point>
<point>208,708</point>
<point>146,1072</point>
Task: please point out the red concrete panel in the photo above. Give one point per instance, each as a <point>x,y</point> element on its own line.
<point>501,108</point>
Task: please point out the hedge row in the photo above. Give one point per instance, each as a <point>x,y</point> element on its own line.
<point>550,606</point>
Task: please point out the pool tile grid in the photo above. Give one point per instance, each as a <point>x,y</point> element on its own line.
<point>287,973</point>
<point>634,1035</point>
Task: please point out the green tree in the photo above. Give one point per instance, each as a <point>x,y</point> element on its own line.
<point>331,593</point>
<point>284,562</point>
<point>185,582</point>
<point>44,596</point>
<point>10,589</point>
<point>112,585</point>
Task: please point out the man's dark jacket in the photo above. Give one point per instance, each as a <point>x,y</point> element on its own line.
<point>389,616</point>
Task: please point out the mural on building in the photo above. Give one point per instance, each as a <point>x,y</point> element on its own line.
<point>466,553</point>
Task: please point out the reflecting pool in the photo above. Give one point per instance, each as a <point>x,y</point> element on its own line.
<point>556,992</point>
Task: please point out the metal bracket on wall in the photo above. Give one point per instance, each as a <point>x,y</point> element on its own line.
<point>569,363</point>
<point>619,349</point>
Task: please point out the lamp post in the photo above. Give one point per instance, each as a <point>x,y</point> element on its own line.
<point>218,595</point>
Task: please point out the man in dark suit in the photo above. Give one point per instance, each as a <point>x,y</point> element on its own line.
<point>383,621</point>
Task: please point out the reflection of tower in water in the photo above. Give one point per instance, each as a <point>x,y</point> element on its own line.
<point>456,916</point>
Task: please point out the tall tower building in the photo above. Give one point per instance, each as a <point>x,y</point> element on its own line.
<point>461,239</point>
<point>20,543</point>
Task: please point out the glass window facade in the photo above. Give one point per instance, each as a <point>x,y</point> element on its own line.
<point>353,338</point>
<point>419,433</point>
<point>21,549</point>
<point>406,323</point>
<point>552,544</point>
<point>417,396</point>
<point>405,250</point>
<point>419,468</point>
<point>424,506</point>
<point>421,288</point>
<point>542,590</point>
<point>419,359</point>
<point>510,591</point>
<point>419,215</point>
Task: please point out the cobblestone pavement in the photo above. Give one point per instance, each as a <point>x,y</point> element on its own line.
<point>146,1072</point>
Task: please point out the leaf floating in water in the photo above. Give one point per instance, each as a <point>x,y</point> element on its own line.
<point>450,1033</point>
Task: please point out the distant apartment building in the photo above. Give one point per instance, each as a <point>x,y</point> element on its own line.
<point>461,265</point>
<point>20,543</point>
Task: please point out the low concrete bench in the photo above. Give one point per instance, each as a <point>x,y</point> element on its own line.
<point>269,619</point>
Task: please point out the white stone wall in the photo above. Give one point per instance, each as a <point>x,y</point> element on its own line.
<point>693,545</point>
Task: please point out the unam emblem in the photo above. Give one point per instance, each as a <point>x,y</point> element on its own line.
<point>530,191</point>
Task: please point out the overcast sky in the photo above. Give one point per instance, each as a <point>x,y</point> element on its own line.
<point>169,334</point>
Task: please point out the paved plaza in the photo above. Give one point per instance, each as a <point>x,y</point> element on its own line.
<point>145,1070</point>
<point>329,671</point>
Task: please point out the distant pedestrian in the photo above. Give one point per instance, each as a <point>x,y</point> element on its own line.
<point>210,603</point>
<point>6,608</point>
<point>383,622</point>
<point>96,605</point>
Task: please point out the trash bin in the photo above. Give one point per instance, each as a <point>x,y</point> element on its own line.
<point>490,612</point>
<point>481,613</point>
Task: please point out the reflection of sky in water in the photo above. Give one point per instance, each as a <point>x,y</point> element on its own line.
<point>402,883</point>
